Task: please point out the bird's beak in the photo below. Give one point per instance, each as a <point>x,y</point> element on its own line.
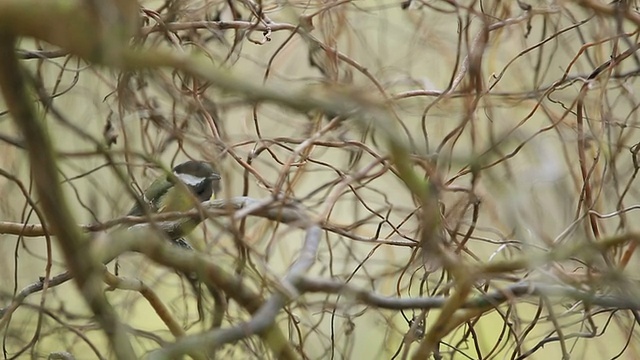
<point>215,183</point>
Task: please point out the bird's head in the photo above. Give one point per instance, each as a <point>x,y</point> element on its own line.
<point>200,177</point>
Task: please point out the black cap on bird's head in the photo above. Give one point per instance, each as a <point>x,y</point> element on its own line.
<point>199,176</point>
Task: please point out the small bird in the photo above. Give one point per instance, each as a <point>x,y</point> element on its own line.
<point>165,195</point>
<point>199,177</point>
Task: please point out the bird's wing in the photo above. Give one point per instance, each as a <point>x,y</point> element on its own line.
<point>152,196</point>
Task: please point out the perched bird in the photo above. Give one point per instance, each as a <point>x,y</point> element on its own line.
<point>165,195</point>
<point>201,183</point>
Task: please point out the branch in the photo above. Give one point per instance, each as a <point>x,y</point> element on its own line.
<point>32,289</point>
<point>154,245</point>
<point>238,207</point>
<point>156,303</point>
<point>52,200</point>
<point>483,301</point>
<point>263,318</point>
<point>171,221</point>
<point>217,25</point>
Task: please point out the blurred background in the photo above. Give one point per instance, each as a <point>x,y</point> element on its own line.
<point>522,114</point>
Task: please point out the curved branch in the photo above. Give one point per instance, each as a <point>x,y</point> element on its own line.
<point>263,318</point>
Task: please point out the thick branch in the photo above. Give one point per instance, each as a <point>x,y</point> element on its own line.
<point>87,272</point>
<point>142,239</point>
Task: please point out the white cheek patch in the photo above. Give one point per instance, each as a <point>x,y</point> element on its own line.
<point>189,179</point>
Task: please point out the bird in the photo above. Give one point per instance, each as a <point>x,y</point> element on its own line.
<point>201,183</point>
<point>164,194</point>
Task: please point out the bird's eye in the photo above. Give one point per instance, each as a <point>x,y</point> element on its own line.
<point>201,190</point>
